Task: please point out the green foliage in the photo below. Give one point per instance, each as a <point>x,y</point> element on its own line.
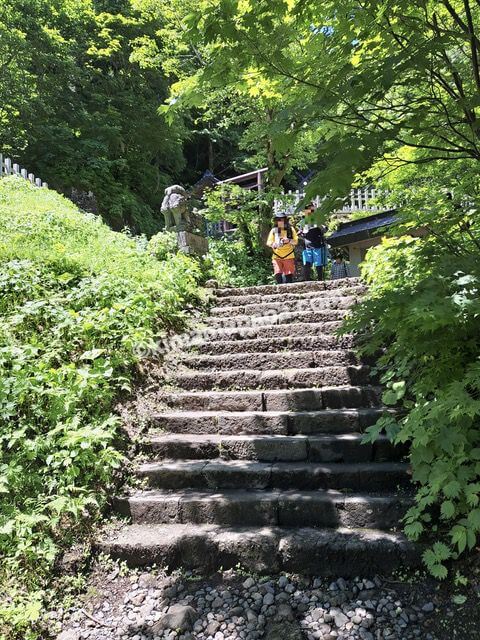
<point>422,309</point>
<point>248,210</point>
<point>78,302</point>
<point>163,245</point>
<point>235,204</point>
<point>80,88</point>
<point>228,263</point>
<point>364,79</point>
<point>235,94</point>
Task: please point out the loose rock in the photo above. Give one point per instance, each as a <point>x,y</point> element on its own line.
<point>178,617</point>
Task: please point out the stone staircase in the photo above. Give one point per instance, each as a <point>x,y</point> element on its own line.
<point>256,457</point>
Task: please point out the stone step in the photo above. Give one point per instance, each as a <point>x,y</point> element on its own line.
<point>279,319</point>
<point>273,379</point>
<point>255,298</point>
<point>274,345</point>
<point>275,330</point>
<point>340,397</point>
<point>282,304</point>
<point>266,422</point>
<point>281,360</point>
<point>295,287</point>
<point>265,508</point>
<point>245,474</point>
<point>346,447</point>
<point>264,550</point>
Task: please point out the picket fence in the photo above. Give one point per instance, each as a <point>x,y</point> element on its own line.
<point>362,199</point>
<point>358,200</point>
<point>10,168</point>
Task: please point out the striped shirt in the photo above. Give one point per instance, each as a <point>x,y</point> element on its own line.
<point>339,270</point>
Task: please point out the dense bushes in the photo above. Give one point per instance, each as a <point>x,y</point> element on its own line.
<point>77,301</point>
<point>163,245</point>
<point>228,263</point>
<point>227,260</point>
<point>423,310</point>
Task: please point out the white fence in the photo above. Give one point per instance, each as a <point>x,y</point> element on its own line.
<point>358,200</point>
<point>10,168</point>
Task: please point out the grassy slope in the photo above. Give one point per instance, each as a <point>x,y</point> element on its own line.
<point>77,300</point>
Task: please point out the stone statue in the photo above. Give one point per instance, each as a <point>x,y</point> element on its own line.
<point>175,208</point>
<point>187,224</point>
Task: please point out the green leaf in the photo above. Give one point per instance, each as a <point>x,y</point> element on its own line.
<point>441,551</point>
<point>414,530</point>
<point>389,398</point>
<point>447,509</point>
<point>459,537</point>
<point>399,388</point>
<point>452,489</point>
<point>92,355</point>
<point>473,519</point>
<point>438,571</point>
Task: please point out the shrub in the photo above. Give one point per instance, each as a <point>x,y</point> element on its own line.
<point>78,301</point>
<point>422,310</point>
<point>163,245</point>
<point>228,263</point>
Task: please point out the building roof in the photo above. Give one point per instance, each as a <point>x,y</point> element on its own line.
<point>207,181</point>
<point>362,229</point>
<point>250,180</point>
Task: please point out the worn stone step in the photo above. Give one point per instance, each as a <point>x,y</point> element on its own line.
<point>326,397</point>
<point>295,287</point>
<point>264,550</point>
<point>275,330</point>
<point>346,447</point>
<point>255,298</point>
<point>267,422</point>
<point>274,345</point>
<point>282,360</point>
<point>272,508</point>
<point>273,379</point>
<point>282,304</point>
<point>245,474</point>
<point>276,400</point>
<point>281,318</point>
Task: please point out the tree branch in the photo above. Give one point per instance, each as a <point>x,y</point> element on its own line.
<point>473,44</point>
<point>463,26</point>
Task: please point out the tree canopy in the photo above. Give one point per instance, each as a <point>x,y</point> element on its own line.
<point>80,92</point>
<point>393,80</point>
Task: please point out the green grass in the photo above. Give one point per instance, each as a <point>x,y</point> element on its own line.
<point>77,302</point>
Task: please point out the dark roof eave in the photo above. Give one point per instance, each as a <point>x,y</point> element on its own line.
<point>353,238</point>
<point>362,229</point>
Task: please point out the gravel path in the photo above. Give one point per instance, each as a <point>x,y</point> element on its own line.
<point>153,606</point>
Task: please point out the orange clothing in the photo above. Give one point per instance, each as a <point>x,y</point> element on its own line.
<point>286,266</point>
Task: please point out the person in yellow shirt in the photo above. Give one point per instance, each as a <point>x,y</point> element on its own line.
<point>283,239</point>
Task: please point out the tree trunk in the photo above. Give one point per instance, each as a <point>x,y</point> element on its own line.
<point>276,170</point>
<point>211,154</point>
<point>275,174</point>
<point>247,238</point>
